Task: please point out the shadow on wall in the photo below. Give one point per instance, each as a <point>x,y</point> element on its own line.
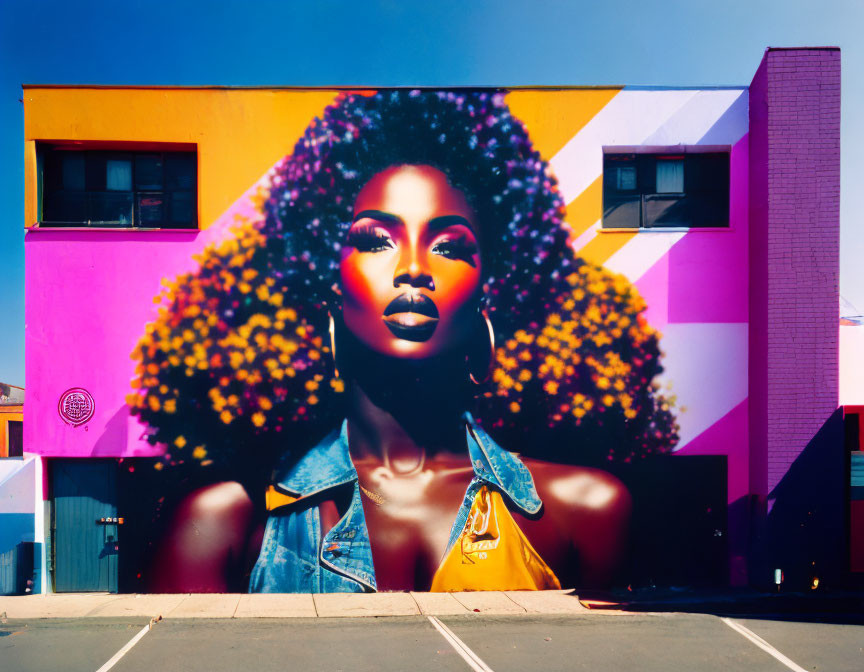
<point>112,442</point>
<point>805,532</point>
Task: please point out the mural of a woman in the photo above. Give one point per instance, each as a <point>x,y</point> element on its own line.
<point>422,230</point>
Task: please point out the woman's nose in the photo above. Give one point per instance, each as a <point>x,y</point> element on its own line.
<point>413,275</point>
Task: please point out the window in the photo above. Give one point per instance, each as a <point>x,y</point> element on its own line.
<point>656,191</point>
<point>16,438</point>
<point>118,188</point>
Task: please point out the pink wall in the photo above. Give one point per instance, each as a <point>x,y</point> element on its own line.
<point>88,296</point>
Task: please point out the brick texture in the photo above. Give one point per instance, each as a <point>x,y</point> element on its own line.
<point>794,255</point>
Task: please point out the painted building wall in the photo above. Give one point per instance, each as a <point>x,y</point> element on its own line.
<point>571,128</point>
<point>103,283</point>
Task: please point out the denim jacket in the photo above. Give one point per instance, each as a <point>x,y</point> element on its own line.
<point>296,557</point>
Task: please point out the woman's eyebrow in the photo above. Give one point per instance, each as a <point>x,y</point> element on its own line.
<point>444,221</point>
<point>378,215</point>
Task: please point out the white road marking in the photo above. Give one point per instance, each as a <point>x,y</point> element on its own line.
<point>461,647</point>
<point>122,652</point>
<point>762,644</point>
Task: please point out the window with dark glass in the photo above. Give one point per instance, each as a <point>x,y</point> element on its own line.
<point>118,189</point>
<point>655,191</point>
<point>16,438</point>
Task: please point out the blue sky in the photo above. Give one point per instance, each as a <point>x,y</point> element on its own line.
<point>400,42</point>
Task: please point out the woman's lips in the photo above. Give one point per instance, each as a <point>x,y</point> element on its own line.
<point>411,317</point>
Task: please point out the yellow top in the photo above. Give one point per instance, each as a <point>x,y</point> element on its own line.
<point>492,553</point>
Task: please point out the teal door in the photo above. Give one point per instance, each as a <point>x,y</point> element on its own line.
<point>85,535</point>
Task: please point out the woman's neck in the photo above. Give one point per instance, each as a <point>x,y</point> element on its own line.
<point>403,413</point>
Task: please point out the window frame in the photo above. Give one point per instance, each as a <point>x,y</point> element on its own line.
<point>638,154</point>
<point>131,151</point>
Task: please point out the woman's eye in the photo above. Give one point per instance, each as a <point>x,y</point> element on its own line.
<point>366,240</point>
<point>457,248</point>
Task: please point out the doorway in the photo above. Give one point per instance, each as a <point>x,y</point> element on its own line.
<point>85,526</point>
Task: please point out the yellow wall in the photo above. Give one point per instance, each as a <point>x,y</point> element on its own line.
<point>240,133</point>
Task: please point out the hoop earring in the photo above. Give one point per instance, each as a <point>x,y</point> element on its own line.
<point>490,359</point>
<point>332,330</point>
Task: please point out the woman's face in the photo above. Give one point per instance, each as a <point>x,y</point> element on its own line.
<point>410,267</point>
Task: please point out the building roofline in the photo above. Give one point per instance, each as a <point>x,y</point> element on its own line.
<point>361,87</point>
<point>802,49</point>
<point>334,87</point>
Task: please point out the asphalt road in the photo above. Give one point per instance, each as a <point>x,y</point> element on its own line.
<point>644,642</point>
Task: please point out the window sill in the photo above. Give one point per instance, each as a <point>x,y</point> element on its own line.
<point>670,229</point>
<point>96,229</point>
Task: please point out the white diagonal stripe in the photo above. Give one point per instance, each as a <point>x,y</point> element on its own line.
<point>640,253</point>
<point>628,119</point>
<point>586,236</point>
<point>762,644</point>
<point>718,352</point>
<point>473,660</point>
<point>122,652</point>
<point>690,124</point>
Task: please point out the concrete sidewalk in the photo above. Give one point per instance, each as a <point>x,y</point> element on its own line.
<point>329,605</point>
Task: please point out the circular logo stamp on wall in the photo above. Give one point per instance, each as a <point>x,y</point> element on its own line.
<point>76,406</point>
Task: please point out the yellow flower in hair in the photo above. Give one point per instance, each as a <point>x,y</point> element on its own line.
<point>199,453</point>
<point>258,419</point>
<point>180,441</point>
<point>514,407</point>
<point>226,417</point>
<point>170,405</point>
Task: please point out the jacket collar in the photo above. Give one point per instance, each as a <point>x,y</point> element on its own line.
<point>328,465</point>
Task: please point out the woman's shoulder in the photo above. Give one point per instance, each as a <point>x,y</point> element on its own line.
<point>208,529</point>
<point>217,499</point>
<point>586,489</point>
